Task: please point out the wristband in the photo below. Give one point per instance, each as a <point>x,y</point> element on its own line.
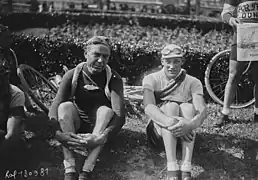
<point>230,21</point>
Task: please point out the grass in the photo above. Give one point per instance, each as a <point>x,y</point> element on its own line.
<point>229,153</point>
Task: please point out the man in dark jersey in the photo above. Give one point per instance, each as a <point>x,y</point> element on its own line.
<point>89,100</point>
<point>235,12</point>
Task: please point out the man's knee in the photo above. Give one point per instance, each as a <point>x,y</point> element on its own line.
<point>65,107</point>
<point>170,109</point>
<point>187,110</point>
<point>66,112</point>
<point>105,111</point>
<point>235,70</point>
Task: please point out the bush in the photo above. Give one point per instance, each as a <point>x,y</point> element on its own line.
<point>135,49</point>
<point>26,20</point>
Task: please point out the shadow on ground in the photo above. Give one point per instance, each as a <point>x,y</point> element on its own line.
<point>129,158</point>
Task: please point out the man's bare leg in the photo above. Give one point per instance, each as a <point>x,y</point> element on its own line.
<point>104,116</point>
<point>170,142</point>
<point>187,111</point>
<point>69,120</point>
<point>235,70</point>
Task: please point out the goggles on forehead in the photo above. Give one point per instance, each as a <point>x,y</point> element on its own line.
<point>174,51</point>
<point>98,40</point>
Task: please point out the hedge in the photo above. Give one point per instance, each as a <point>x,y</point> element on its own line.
<point>19,21</point>
<point>48,56</point>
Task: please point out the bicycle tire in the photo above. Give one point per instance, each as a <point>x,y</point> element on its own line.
<point>222,59</point>
<point>41,91</point>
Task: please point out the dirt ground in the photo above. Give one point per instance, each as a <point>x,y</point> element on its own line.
<point>219,154</point>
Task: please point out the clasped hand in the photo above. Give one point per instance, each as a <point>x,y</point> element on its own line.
<point>79,141</point>
<point>182,129</point>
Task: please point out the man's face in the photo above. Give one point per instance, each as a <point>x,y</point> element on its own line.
<point>6,39</point>
<point>97,58</point>
<point>172,66</point>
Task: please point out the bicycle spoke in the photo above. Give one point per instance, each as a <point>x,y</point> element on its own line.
<point>40,87</point>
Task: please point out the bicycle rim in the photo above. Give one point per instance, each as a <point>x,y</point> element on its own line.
<point>37,86</point>
<point>216,76</point>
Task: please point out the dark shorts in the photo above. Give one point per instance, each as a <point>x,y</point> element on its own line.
<point>87,122</point>
<point>154,140</point>
<point>87,118</point>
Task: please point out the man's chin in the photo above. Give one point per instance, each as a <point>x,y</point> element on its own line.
<point>94,70</point>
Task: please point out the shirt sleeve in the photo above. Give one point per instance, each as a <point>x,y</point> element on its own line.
<point>148,82</point>
<point>196,87</point>
<point>17,97</point>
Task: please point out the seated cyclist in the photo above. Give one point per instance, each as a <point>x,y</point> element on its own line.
<point>89,101</point>
<point>12,113</point>
<point>5,43</point>
<point>174,102</point>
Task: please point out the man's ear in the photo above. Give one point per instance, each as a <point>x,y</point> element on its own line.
<point>85,55</point>
<point>162,62</point>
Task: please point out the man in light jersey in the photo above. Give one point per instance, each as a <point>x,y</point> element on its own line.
<point>235,12</point>
<point>174,102</point>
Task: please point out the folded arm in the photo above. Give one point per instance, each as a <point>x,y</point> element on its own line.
<point>201,111</point>
<point>118,106</point>
<point>63,94</point>
<point>154,112</point>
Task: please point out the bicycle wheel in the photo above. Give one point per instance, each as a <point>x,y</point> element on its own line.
<point>41,91</point>
<point>216,76</point>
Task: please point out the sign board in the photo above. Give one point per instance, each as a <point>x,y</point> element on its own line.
<point>247,42</point>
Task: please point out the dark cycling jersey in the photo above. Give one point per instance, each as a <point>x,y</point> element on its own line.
<point>87,100</point>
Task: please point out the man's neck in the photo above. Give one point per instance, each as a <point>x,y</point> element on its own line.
<point>91,75</point>
<point>171,77</point>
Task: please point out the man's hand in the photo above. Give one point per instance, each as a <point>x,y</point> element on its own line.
<point>68,139</point>
<point>234,22</point>
<point>188,137</point>
<point>171,121</point>
<point>181,128</point>
<point>91,140</point>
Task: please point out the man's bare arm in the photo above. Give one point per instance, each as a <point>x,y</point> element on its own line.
<point>201,115</point>
<point>154,112</point>
<point>14,122</point>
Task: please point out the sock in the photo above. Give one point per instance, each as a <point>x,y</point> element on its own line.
<point>225,111</point>
<point>172,166</point>
<point>186,166</point>
<point>88,167</point>
<point>256,111</point>
<point>69,165</point>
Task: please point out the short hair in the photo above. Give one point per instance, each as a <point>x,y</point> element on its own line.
<point>97,40</point>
